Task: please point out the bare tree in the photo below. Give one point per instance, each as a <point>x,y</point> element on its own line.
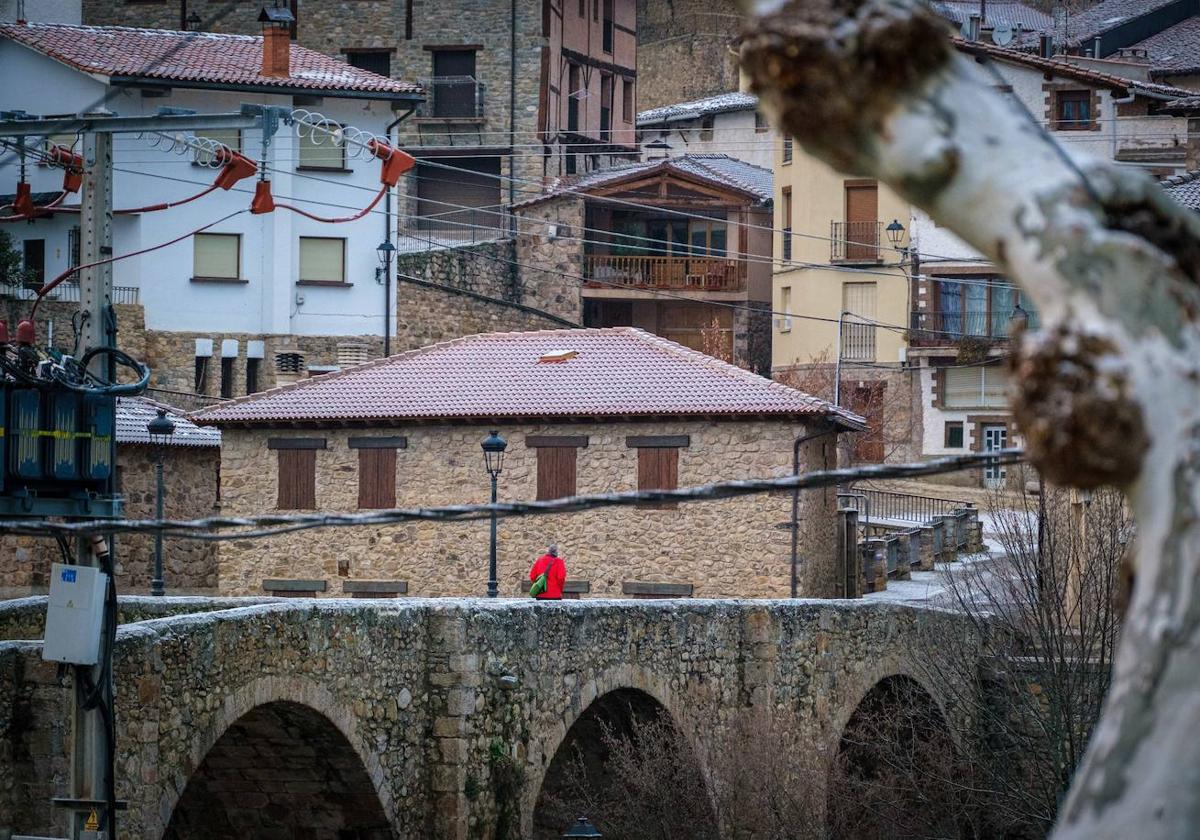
<point>1108,393</point>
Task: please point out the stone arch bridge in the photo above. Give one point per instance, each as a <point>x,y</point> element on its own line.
<point>370,720</point>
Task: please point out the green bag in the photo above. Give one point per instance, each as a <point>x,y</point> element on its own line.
<point>540,583</point>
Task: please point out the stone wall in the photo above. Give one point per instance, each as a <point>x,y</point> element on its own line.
<point>555,284</point>
<point>683,50</point>
<point>190,480</point>
<point>428,695</point>
<point>738,547</point>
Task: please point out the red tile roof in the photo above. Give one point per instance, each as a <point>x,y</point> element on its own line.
<point>196,57</point>
<point>618,372</point>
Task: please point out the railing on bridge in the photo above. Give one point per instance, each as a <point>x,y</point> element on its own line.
<point>880,505</point>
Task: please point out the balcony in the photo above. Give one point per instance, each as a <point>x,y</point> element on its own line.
<point>66,291</point>
<point>947,329</point>
<point>855,242</point>
<point>708,274</point>
<point>453,98</point>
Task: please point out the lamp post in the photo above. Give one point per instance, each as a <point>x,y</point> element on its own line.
<point>582,828</point>
<point>160,428</point>
<point>493,458</point>
<point>383,274</point>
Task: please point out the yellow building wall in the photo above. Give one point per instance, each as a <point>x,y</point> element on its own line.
<point>818,198</point>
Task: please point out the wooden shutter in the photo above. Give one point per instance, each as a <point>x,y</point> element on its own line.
<point>862,221</point>
<point>297,479</point>
<point>658,468</point>
<point>555,471</point>
<point>377,478</point>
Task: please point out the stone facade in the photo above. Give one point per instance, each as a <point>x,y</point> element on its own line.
<point>433,701</point>
<point>737,547</point>
<point>684,50</point>
<point>190,479</point>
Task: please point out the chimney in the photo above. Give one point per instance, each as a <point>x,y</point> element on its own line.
<point>1046,46</point>
<point>277,41</point>
<point>973,28</point>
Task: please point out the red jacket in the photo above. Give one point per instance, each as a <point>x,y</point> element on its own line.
<point>554,580</point>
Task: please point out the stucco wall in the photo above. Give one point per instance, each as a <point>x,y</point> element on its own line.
<point>729,548</point>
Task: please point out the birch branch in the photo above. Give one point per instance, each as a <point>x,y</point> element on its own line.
<point>1108,392</point>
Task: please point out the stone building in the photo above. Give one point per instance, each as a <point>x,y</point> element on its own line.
<point>684,49</point>
<point>191,480</point>
<point>583,411</point>
<point>679,247</point>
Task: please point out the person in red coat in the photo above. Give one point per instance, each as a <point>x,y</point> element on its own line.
<point>556,574</point>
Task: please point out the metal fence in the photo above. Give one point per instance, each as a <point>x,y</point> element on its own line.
<point>68,292</point>
<point>903,507</point>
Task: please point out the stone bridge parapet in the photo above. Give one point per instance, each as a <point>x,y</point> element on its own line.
<point>412,701</point>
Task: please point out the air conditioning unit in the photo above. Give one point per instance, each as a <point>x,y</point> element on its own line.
<point>783,323</point>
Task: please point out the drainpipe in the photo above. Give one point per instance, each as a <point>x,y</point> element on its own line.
<point>800,441</point>
<point>837,368</point>
<point>387,237</point>
<point>1114,102</point>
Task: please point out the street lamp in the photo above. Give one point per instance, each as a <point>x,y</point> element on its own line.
<point>895,233</point>
<point>1019,319</point>
<point>493,458</point>
<point>160,428</point>
<point>383,275</point>
<point>582,828</point>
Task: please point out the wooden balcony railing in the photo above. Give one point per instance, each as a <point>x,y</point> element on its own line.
<point>855,241</point>
<point>712,274</point>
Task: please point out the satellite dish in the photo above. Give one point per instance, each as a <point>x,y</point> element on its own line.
<point>1002,34</point>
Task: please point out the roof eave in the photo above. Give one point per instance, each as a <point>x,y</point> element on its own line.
<point>283,90</point>
<point>815,416</point>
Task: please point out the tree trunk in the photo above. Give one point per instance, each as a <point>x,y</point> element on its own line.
<point>1108,392</point>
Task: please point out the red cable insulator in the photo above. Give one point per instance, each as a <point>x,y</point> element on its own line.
<point>72,165</point>
<point>26,333</point>
<point>395,162</point>
<point>263,201</point>
<point>23,204</point>
<point>236,167</point>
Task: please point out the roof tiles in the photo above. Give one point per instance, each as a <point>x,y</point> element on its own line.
<point>134,413</point>
<point>198,57</point>
<point>617,372</point>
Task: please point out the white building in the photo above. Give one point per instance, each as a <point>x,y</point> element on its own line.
<point>728,123</point>
<point>249,276</point>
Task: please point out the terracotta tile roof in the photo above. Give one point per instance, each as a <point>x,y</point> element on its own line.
<point>715,169</point>
<point>1184,188</point>
<point>617,372</point>
<point>1175,50</point>
<point>196,57</point>
<point>133,413</point>
<point>1060,67</point>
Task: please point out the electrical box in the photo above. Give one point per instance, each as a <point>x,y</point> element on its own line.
<point>75,616</point>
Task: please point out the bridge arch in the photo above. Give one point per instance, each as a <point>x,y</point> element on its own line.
<point>281,758</point>
<point>629,703</point>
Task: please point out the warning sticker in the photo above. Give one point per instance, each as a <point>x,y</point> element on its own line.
<point>93,823</point>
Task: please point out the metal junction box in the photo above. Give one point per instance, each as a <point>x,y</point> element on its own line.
<point>75,614</point>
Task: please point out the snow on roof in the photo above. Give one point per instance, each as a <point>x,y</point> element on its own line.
<point>697,108</point>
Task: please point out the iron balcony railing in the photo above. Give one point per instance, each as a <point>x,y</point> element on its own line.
<point>855,241</point>
<point>453,97</point>
<point>712,274</point>
<point>885,505</point>
<point>64,291</point>
<point>938,329</point>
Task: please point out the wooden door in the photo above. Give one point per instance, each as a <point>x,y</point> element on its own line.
<point>862,221</point>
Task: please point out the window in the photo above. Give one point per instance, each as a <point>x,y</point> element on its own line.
<point>627,100</point>
<point>573,94</point>
<point>974,387</point>
<point>322,260</point>
<point>858,338</point>
<point>556,472</point>
<point>227,377</point>
<point>408,20</point>
<point>708,239</point>
<point>319,149</point>
<point>658,468</point>
<point>954,435</point>
<point>373,61</point>
<point>706,127</point>
<point>230,137</point>
<point>200,376</point>
<point>571,166</point>
<point>606,94</point>
<point>761,126</point>
<point>34,262</point>
<point>785,309</point>
<point>583,8</point>
<point>787,148</point>
<point>297,479</point>
<point>73,244</point>
<point>787,223</point>
<point>1073,110</point>
<point>216,256</point>
<point>376,478</point>
<point>607,29</point>
<point>978,306</point>
<point>859,236</point>
<point>453,87</point>
<point>252,366</point>
<point>595,10</point>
